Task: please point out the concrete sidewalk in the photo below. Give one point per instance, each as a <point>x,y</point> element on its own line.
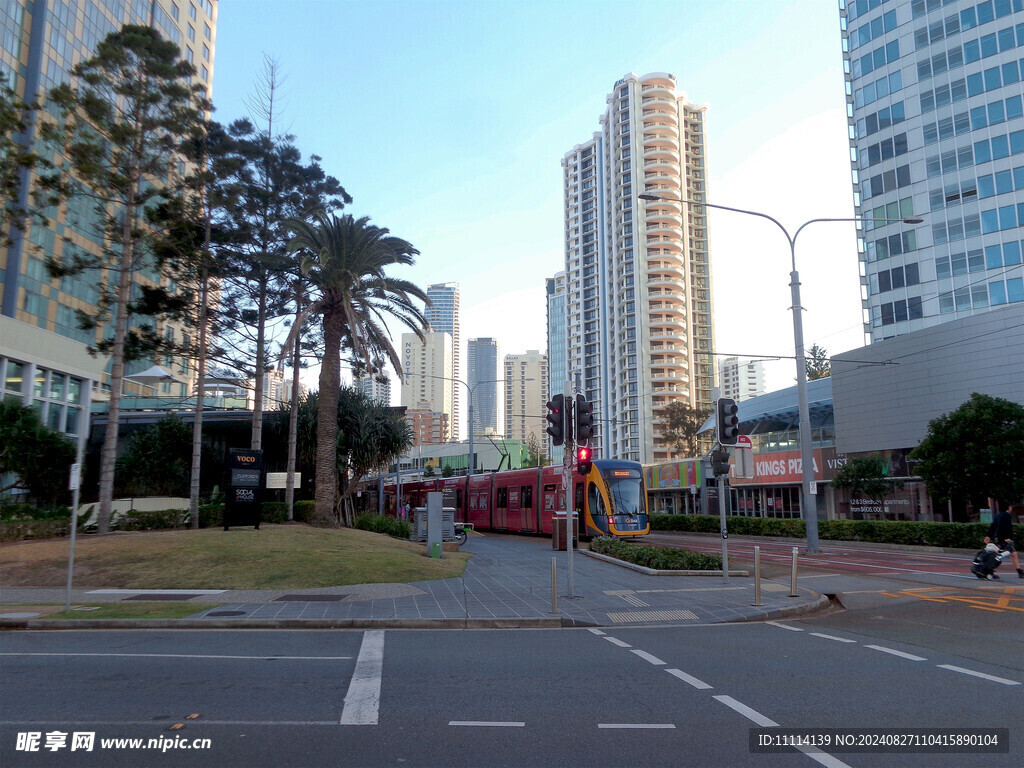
<point>507,583</point>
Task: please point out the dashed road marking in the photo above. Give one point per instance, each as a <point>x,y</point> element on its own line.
<point>751,714</point>
<point>982,675</point>
<point>688,679</point>
<point>487,723</point>
<point>637,725</point>
<point>595,631</point>
<point>833,637</point>
<point>648,657</point>
<point>784,626</point>
<point>894,652</point>
<point>617,642</point>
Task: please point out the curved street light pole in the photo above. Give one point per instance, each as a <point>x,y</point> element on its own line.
<point>806,452</point>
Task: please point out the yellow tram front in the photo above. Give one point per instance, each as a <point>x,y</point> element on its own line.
<point>616,500</point>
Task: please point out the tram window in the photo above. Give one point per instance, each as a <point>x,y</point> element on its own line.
<point>596,502</point>
<point>502,501</point>
<point>526,497</point>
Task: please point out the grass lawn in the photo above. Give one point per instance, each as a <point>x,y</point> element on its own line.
<point>274,557</point>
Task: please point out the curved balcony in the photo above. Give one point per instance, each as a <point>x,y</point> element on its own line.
<point>665,274</point>
<point>665,243</point>
<point>659,116</point>
<point>662,220</point>
<point>660,139</point>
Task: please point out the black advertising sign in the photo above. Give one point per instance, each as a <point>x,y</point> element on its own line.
<point>245,475</point>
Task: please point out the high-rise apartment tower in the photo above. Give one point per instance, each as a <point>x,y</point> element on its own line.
<point>443,317</point>
<point>638,281</point>
<point>482,378</point>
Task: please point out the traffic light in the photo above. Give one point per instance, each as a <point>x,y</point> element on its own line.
<point>584,419</point>
<point>719,463</point>
<point>584,459</point>
<point>727,420</point>
<point>556,419</point>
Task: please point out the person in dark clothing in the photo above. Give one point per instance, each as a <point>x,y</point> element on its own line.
<point>1001,532</point>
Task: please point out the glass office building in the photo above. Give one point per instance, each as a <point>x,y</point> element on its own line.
<point>934,93</point>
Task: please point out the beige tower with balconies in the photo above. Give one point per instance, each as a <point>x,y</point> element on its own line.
<point>639,282</point>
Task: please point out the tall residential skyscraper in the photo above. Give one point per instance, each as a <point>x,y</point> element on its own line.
<point>482,377</point>
<point>526,377</point>
<point>937,132</point>
<point>427,372</point>
<point>43,353</point>
<point>638,280</point>
<point>741,380</point>
<point>443,316</point>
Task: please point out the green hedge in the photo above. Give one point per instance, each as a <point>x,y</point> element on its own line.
<point>659,558</point>
<point>400,529</point>
<point>953,535</point>
<point>26,528</point>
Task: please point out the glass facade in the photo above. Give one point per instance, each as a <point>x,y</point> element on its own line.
<point>934,99</point>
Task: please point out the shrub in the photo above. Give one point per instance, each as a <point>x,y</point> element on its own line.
<point>951,535</point>
<point>400,529</point>
<point>302,511</point>
<point>20,511</point>
<point>659,558</point>
<point>160,519</point>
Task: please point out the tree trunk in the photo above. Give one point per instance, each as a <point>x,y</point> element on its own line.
<point>261,342</point>
<point>108,456</point>
<point>327,419</point>
<point>293,418</point>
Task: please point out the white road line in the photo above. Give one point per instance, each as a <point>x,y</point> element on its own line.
<point>617,642</point>
<point>688,679</point>
<point>894,652</point>
<point>751,714</point>
<point>636,725</point>
<point>648,657</point>
<point>833,637</point>
<point>183,656</point>
<point>784,626</point>
<point>362,702</point>
<point>486,723</point>
<point>982,675</point>
<point>595,631</point>
<point>823,757</point>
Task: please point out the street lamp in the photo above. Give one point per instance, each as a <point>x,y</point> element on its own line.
<point>806,454</point>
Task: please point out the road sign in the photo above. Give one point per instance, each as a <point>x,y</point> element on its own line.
<point>76,477</point>
<point>743,441</point>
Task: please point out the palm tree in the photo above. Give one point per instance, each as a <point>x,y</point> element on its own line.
<point>345,260</point>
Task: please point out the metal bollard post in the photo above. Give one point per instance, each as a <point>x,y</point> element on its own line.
<point>757,575</point>
<point>554,586</point>
<point>792,577</point>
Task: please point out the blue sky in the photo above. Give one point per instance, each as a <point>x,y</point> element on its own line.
<point>447,122</point>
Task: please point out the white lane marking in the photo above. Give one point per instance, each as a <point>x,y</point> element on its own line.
<point>181,656</point>
<point>688,679</point>
<point>596,631</point>
<point>648,657</point>
<point>894,652</point>
<point>751,714</point>
<point>486,723</point>
<point>617,642</point>
<point>833,637</point>
<point>982,675</point>
<point>784,626</point>
<point>362,702</point>
<point>823,757</point>
<point>636,725</point>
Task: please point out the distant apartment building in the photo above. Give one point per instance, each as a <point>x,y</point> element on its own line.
<point>443,317</point>
<point>426,374</point>
<point>934,98</point>
<point>482,378</point>
<point>741,379</point>
<point>43,352</point>
<point>374,388</point>
<point>638,280</point>
<point>428,427</point>
<point>526,378</point>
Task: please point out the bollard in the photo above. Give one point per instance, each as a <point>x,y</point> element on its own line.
<point>757,575</point>
<point>554,586</point>
<point>792,576</point>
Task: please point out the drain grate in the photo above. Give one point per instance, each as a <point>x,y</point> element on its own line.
<point>622,618</point>
<point>165,596</point>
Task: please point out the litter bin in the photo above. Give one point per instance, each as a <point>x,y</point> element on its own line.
<point>558,537</point>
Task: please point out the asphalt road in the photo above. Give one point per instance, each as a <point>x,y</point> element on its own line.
<point>671,696</point>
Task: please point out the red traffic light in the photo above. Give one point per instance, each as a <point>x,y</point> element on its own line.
<point>584,457</point>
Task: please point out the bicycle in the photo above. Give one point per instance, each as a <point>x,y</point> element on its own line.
<point>462,532</point>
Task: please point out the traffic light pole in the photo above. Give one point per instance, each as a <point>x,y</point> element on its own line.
<point>567,477</point>
<point>723,509</point>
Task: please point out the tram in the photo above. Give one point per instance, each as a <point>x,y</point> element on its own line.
<point>610,500</point>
